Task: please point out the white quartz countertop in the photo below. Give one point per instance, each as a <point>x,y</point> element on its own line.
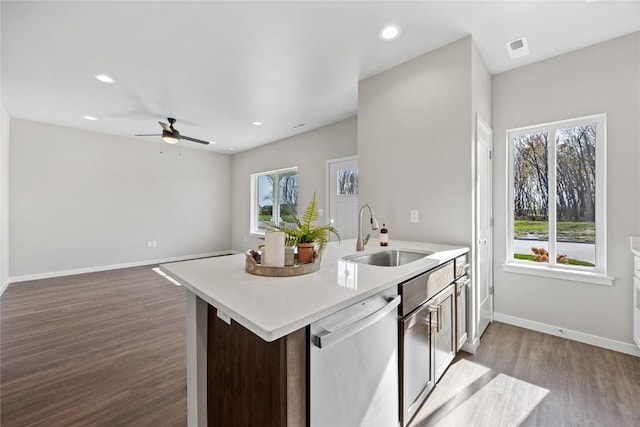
<point>272,307</point>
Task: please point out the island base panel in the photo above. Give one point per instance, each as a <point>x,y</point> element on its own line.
<point>254,382</point>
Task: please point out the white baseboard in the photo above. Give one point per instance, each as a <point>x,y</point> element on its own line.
<point>49,275</point>
<point>471,346</point>
<point>557,331</point>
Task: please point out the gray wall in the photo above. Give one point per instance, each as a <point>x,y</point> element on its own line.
<point>308,151</point>
<point>83,200</point>
<point>481,88</point>
<point>4,198</point>
<point>604,78</point>
<point>414,145</point>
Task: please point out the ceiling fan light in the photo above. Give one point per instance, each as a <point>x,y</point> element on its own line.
<point>169,138</point>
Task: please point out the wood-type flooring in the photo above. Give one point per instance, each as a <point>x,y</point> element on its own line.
<point>97,349</point>
<point>108,349</point>
<point>520,377</point>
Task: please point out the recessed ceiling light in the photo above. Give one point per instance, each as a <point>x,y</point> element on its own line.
<point>232,148</point>
<point>89,118</point>
<point>256,123</point>
<point>389,32</point>
<point>104,78</point>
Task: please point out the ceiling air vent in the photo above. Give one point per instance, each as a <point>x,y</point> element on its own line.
<point>518,48</point>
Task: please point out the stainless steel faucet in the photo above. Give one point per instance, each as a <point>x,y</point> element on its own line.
<point>360,242</point>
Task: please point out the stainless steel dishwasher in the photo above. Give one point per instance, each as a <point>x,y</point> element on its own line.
<point>353,362</point>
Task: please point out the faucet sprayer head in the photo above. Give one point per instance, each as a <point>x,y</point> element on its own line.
<point>374,222</point>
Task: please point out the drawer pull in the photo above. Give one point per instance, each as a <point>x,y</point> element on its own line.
<point>462,270</point>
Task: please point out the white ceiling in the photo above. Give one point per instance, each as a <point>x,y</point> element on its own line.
<point>218,66</point>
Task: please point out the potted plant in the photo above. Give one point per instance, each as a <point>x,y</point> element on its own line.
<point>306,236</point>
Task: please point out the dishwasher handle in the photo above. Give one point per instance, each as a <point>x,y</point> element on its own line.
<point>323,340</point>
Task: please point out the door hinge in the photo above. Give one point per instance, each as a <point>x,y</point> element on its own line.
<point>491,222</point>
<point>490,154</point>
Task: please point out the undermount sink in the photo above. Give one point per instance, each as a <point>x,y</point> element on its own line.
<point>388,258</point>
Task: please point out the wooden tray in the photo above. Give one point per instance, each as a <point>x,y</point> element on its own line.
<point>294,270</point>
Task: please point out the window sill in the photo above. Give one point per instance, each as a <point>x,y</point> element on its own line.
<point>258,234</point>
<point>559,273</point>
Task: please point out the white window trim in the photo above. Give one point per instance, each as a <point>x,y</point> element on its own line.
<point>562,273</point>
<point>596,275</point>
<point>253,217</point>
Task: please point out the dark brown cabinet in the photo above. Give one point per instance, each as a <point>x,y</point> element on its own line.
<point>252,382</point>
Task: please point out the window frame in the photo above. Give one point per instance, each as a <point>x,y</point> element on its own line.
<point>597,274</point>
<point>254,229</point>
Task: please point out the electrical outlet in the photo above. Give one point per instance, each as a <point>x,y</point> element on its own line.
<point>414,216</point>
<point>320,212</point>
<point>224,317</point>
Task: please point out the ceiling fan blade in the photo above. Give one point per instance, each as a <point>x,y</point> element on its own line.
<point>166,127</point>
<point>199,141</point>
<point>148,134</point>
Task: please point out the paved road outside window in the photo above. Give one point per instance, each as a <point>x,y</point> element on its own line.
<point>581,251</point>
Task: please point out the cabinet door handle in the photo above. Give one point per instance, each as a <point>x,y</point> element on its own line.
<point>437,310</point>
<point>462,284</point>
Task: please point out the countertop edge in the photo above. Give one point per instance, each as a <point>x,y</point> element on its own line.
<point>272,334</point>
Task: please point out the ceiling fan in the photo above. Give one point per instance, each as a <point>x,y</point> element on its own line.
<point>171,134</point>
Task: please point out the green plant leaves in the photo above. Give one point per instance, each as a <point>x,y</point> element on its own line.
<point>305,231</point>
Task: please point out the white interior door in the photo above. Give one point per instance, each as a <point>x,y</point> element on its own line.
<point>342,196</point>
<point>484,225</point>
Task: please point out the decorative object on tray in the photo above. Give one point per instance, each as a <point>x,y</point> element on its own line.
<point>254,267</point>
<point>289,257</point>
<point>307,236</point>
<point>274,246</point>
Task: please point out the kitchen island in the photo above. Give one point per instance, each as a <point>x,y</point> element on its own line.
<point>246,334</point>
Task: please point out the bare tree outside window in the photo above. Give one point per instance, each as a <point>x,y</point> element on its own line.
<point>347,182</point>
<point>531,185</point>
<point>575,194</point>
<point>576,173</point>
<point>265,201</point>
<point>288,198</point>
<point>275,198</point>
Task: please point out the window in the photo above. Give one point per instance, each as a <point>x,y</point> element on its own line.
<point>556,219</point>
<point>347,180</point>
<point>274,199</point>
